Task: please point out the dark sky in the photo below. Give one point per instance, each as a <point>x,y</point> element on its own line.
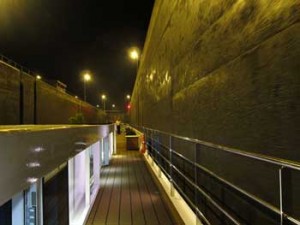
<point>61,38</point>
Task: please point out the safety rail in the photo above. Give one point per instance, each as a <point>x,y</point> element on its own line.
<point>15,64</point>
<point>183,174</point>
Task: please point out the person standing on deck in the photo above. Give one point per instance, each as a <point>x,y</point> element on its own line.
<point>118,123</point>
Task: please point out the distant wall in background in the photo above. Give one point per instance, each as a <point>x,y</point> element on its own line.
<point>9,94</point>
<point>53,106</point>
<point>223,71</point>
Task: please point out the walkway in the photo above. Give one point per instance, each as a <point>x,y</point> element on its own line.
<point>128,194</point>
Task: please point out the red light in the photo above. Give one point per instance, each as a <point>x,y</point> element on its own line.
<point>128,106</point>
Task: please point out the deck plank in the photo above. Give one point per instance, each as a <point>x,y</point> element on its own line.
<point>128,195</point>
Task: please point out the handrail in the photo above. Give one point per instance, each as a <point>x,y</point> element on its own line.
<point>14,64</point>
<point>258,200</point>
<point>263,158</point>
<point>260,157</point>
<point>190,202</point>
<point>207,197</point>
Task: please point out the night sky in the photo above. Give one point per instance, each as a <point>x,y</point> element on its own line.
<point>61,38</point>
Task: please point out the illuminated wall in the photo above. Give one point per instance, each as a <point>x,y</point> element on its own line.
<point>223,71</point>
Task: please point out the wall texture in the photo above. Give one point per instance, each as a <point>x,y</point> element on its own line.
<point>9,94</point>
<point>52,105</point>
<point>227,72</point>
<point>224,71</point>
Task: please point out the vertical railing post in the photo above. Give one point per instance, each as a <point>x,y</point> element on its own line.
<point>171,166</point>
<point>280,195</point>
<point>198,222</point>
<point>152,147</point>
<point>158,156</point>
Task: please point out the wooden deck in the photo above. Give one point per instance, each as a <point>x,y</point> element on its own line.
<point>128,193</point>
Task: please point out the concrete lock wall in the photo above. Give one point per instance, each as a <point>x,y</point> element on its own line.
<point>53,105</point>
<point>9,94</point>
<point>227,72</point>
<point>56,107</point>
<point>223,71</point>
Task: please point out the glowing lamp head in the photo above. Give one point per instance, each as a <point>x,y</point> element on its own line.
<point>134,53</point>
<point>87,77</point>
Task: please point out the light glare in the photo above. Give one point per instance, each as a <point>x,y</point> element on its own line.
<point>33,164</point>
<point>38,149</point>
<point>87,77</point>
<point>134,53</point>
<point>32,180</point>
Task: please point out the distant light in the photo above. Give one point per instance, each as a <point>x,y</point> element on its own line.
<point>134,53</point>
<point>33,164</point>
<point>32,180</point>
<point>128,96</point>
<point>113,105</point>
<point>38,77</point>
<point>76,96</point>
<point>97,106</point>
<point>103,97</point>
<point>38,149</point>
<point>87,77</point>
<point>129,106</point>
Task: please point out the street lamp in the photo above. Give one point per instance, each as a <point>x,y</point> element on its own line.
<point>113,106</point>
<point>103,97</point>
<point>134,54</point>
<point>128,97</point>
<point>86,77</point>
<point>37,78</point>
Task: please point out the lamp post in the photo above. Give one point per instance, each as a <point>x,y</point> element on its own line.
<point>86,77</point>
<point>38,77</point>
<point>103,97</point>
<point>134,54</point>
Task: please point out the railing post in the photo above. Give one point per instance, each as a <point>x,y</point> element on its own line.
<point>152,147</point>
<point>280,195</point>
<point>159,161</point>
<point>170,166</point>
<point>198,222</point>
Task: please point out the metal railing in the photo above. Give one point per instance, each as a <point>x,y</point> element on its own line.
<point>16,65</point>
<point>191,179</point>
